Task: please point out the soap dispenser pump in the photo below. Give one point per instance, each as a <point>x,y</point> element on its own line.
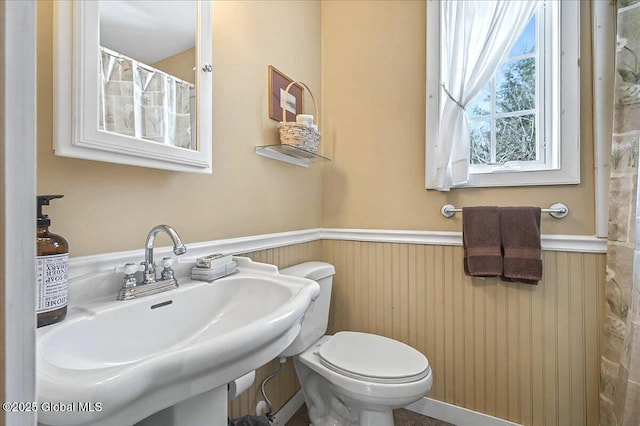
<point>52,264</point>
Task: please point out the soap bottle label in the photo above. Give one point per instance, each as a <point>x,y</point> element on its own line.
<point>52,281</point>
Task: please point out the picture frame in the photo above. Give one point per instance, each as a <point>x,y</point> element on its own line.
<point>278,82</point>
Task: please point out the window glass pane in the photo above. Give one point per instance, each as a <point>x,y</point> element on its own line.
<point>516,86</point>
<point>526,43</point>
<point>516,138</point>
<point>481,104</point>
<point>480,144</point>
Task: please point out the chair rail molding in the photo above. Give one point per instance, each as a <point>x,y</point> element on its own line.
<point>103,262</point>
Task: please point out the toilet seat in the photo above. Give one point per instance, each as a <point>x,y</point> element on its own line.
<point>373,358</point>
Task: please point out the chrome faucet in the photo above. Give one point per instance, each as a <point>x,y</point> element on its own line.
<point>178,248</point>
<point>131,289</point>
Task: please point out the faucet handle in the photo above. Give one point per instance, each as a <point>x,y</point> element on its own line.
<point>130,270</point>
<point>166,262</point>
<point>167,272</point>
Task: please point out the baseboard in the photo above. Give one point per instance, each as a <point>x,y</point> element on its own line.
<point>455,415</point>
<point>426,406</point>
<point>287,411</point>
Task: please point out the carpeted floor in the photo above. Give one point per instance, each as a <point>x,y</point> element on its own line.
<point>401,418</point>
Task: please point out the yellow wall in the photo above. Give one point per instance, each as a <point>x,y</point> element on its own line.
<point>373,59</point>
<point>179,65</point>
<point>110,207</point>
<point>523,353</point>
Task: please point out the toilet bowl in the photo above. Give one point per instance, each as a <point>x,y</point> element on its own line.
<point>352,378</point>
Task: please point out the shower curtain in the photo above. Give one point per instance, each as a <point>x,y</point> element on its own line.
<point>140,101</point>
<point>620,351</point>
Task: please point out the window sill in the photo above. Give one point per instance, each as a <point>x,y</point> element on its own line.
<point>522,178</point>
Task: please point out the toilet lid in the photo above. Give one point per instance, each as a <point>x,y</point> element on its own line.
<point>373,358</point>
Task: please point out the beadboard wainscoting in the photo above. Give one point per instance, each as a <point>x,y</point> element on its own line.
<point>528,354</point>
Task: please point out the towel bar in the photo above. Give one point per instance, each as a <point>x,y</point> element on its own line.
<point>555,210</point>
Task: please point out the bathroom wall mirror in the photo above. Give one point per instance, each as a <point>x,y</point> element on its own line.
<point>133,83</point>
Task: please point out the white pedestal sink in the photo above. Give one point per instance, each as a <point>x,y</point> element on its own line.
<point>117,362</point>
<point>202,409</point>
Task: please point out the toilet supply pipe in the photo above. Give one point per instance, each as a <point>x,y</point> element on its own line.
<point>270,413</point>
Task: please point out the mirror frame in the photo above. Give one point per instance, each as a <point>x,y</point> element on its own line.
<point>76,96</point>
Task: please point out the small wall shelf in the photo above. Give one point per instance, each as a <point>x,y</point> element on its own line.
<point>290,154</point>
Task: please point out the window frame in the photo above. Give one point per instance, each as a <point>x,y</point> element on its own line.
<point>563,165</point>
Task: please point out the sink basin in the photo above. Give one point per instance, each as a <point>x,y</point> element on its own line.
<point>125,360</point>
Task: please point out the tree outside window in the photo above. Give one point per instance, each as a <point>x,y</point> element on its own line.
<point>502,122</point>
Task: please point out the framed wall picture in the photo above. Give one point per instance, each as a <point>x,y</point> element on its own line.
<point>294,104</point>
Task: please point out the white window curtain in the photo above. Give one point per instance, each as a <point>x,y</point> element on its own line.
<point>475,36</point>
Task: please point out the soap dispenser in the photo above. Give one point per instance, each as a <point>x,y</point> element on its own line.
<point>52,263</point>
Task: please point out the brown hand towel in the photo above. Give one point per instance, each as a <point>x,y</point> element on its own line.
<point>481,241</point>
<point>520,230</point>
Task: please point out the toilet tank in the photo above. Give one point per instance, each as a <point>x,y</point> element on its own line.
<point>316,318</point>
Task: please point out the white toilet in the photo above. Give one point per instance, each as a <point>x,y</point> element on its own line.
<point>351,378</point>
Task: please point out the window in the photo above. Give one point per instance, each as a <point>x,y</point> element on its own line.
<point>524,124</point>
<point>504,119</point>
